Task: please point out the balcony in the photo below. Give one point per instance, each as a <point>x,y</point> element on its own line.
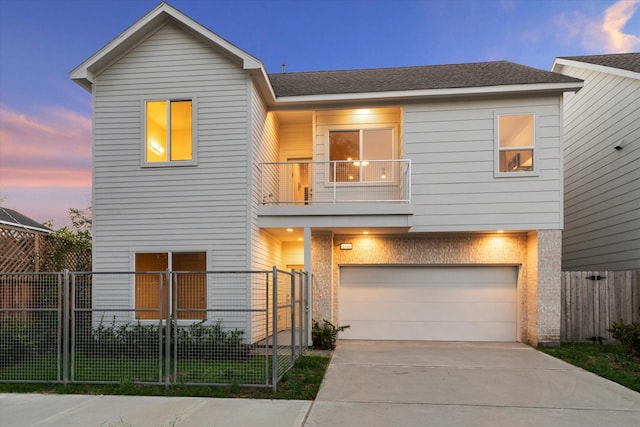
<point>311,183</point>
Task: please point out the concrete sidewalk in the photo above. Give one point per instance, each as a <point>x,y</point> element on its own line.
<point>31,410</point>
<point>369,383</point>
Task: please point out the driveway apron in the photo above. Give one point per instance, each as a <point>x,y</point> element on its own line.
<point>414,383</point>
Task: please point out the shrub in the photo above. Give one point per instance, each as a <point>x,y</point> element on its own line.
<point>628,335</point>
<point>325,336</point>
<point>210,342</point>
<point>120,341</point>
<point>17,341</point>
<point>197,341</point>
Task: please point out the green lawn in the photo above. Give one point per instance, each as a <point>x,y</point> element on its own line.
<point>609,361</point>
<point>301,382</point>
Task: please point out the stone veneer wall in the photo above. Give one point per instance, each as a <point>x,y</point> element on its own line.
<point>549,286</point>
<point>532,288</point>
<point>417,250</point>
<point>321,285</point>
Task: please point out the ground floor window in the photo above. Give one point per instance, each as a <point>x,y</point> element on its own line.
<point>188,299</point>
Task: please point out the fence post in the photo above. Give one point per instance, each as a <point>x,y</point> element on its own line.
<point>292,309</point>
<point>266,336</point>
<point>274,361</point>
<point>167,329</point>
<point>300,310</point>
<point>307,309</point>
<point>64,318</point>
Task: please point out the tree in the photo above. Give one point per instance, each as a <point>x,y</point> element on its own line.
<point>70,247</point>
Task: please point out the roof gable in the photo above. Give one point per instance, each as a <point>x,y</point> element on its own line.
<point>624,64</point>
<point>84,73</point>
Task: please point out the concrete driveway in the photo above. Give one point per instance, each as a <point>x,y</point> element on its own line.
<point>464,384</point>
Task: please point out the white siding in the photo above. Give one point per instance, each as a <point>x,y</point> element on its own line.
<point>202,207</point>
<point>602,190</point>
<point>296,142</point>
<point>451,147</point>
<point>265,250</point>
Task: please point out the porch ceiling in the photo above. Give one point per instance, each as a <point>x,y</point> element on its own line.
<point>297,233</point>
<point>295,117</point>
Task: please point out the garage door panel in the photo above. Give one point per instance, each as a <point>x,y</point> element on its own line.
<point>431,331</point>
<point>440,274</point>
<point>433,293</point>
<point>474,303</point>
<point>424,312</point>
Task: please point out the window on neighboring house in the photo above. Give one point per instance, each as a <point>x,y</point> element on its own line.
<point>188,299</point>
<point>516,143</point>
<point>169,131</point>
<point>361,155</point>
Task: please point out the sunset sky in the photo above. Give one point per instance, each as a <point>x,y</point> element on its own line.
<point>45,118</point>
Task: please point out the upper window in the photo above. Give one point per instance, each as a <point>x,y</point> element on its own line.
<point>169,131</point>
<point>516,141</point>
<point>361,155</point>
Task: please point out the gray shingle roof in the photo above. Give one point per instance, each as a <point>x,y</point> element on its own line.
<point>622,61</point>
<point>15,218</point>
<point>479,74</point>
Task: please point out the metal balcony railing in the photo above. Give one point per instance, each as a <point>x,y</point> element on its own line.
<point>306,183</point>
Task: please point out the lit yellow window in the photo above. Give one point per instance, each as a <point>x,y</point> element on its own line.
<point>169,131</point>
<point>189,293</point>
<point>516,143</point>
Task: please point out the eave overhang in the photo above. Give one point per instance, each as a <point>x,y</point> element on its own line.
<point>346,98</point>
<point>559,63</point>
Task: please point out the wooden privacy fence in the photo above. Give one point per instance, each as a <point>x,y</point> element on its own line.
<point>23,250</point>
<point>592,300</point>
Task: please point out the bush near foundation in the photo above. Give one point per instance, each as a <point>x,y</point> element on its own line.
<point>325,336</point>
<point>628,334</point>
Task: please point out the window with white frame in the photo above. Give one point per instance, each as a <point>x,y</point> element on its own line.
<point>515,144</point>
<point>168,131</point>
<point>361,155</point>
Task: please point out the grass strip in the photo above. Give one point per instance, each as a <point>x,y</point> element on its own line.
<point>301,382</point>
<point>609,361</point>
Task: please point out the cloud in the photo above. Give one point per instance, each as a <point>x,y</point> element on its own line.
<point>602,34</point>
<point>45,162</point>
<point>615,19</point>
<point>53,149</point>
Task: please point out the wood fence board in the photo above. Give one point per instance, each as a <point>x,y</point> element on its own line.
<point>590,306</point>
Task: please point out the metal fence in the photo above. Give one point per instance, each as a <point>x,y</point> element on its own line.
<point>162,328</point>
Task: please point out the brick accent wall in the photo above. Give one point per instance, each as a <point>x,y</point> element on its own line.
<point>322,284</point>
<point>531,294</point>
<point>549,286</point>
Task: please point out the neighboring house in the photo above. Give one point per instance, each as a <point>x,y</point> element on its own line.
<point>602,163</point>
<point>425,201</point>
<point>22,242</point>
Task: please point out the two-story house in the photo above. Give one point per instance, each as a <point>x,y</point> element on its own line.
<point>602,163</point>
<point>426,202</point>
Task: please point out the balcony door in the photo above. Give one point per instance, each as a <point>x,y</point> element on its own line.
<point>301,183</point>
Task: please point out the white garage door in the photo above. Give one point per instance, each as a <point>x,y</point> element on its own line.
<point>428,303</point>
